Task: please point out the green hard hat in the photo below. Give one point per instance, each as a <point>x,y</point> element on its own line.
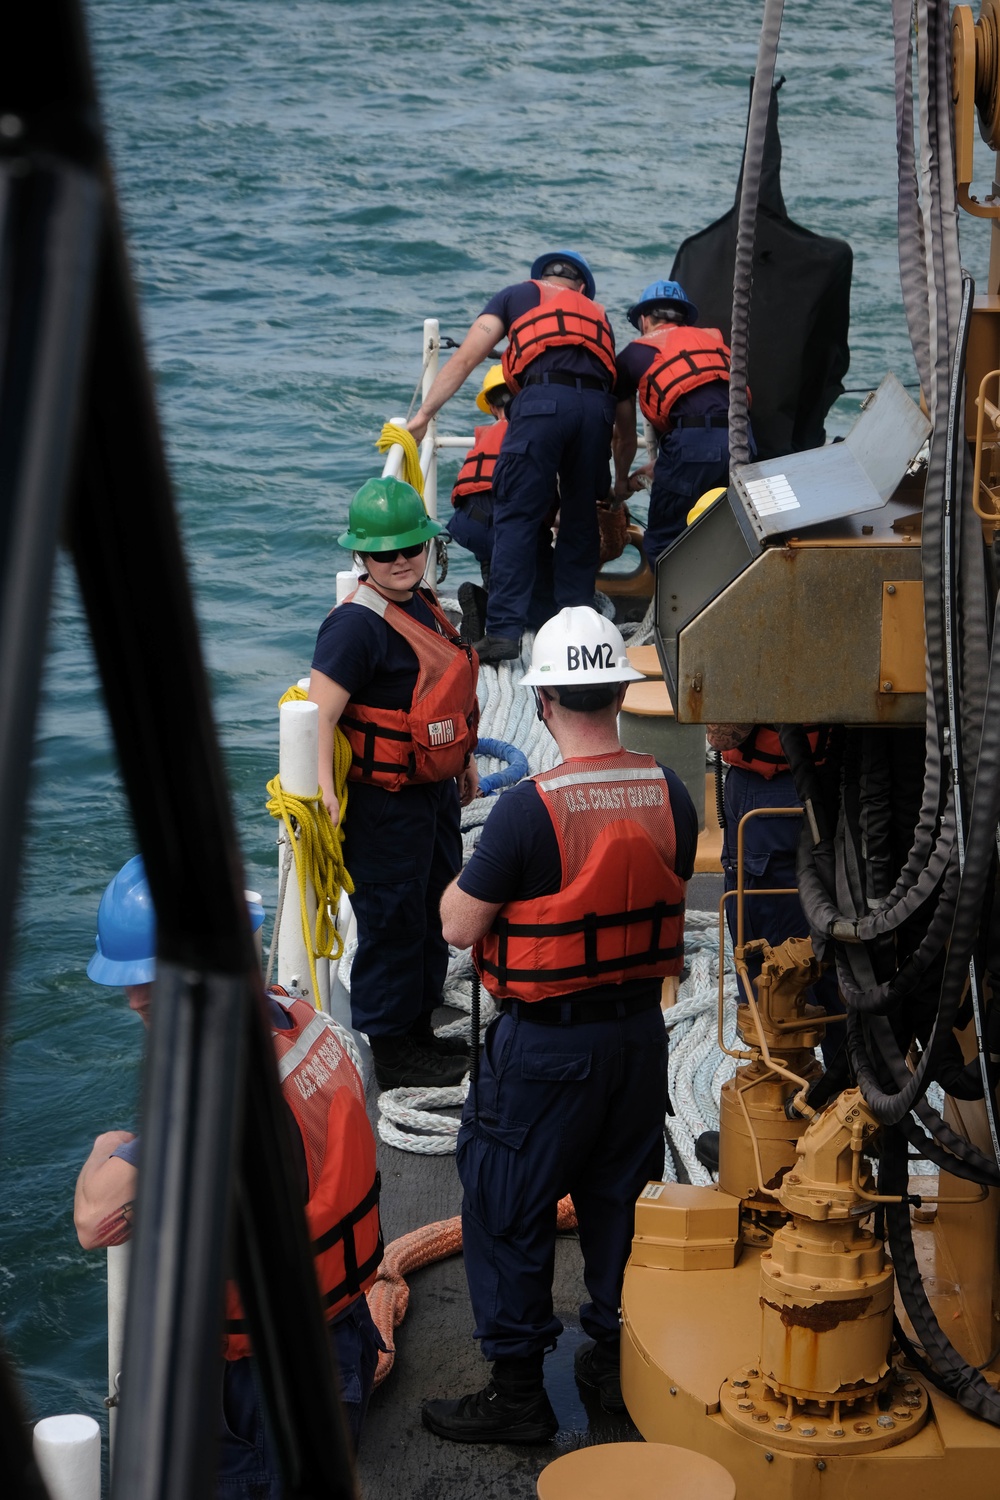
<point>385,514</point>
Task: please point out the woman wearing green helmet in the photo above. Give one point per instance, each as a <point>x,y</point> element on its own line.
<point>391,672</point>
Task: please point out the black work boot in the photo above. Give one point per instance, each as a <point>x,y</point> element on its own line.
<point>513,1408</point>
<point>423,1033</point>
<point>706,1149</point>
<point>401,1063</point>
<point>598,1367</point>
<point>493,649</point>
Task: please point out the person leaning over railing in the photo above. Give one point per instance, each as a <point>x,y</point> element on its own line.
<point>560,359</point>
<point>334,1153</point>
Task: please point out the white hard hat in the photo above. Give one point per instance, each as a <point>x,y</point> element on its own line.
<point>578,648</point>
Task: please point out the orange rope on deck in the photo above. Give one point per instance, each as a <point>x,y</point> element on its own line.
<point>389,1298</point>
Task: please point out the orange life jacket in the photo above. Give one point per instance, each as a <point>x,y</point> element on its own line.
<point>325,1094</point>
<point>619,912</point>
<point>761,750</point>
<point>430,740</point>
<point>688,357</point>
<point>562,318</point>
<point>476,473</point>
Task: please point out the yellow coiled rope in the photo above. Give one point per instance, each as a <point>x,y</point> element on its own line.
<point>317,850</point>
<point>412,472</point>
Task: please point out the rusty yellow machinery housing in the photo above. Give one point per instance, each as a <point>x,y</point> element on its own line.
<point>821,1322</point>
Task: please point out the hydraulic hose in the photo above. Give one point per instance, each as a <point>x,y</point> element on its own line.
<point>945,1367</point>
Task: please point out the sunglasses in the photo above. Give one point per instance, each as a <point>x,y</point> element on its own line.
<point>390,557</point>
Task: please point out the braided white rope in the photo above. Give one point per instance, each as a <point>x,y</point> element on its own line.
<point>407,1119</point>
<point>641,634</point>
<point>346,1040</point>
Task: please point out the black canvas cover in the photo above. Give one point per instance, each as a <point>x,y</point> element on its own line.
<point>800,309</point>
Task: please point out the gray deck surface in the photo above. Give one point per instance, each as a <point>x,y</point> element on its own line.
<point>436,1355</point>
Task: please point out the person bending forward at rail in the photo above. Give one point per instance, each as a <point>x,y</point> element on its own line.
<point>681,375</point>
<point>574,899</point>
<point>560,359</point>
<point>339,1187</point>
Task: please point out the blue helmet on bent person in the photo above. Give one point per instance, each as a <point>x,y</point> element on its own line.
<point>564,263</point>
<point>126,928</point>
<point>662,294</point>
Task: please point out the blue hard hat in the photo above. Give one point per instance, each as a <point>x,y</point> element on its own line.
<point>126,928</point>
<point>575,259</point>
<point>662,291</point>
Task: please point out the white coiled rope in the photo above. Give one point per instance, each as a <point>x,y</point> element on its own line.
<point>409,1119</point>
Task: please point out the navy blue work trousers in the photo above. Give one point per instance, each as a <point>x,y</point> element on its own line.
<point>769,848</point>
<point>471,526</point>
<point>561,1109</point>
<point>402,849</point>
<point>248,1454</point>
<point>691,460</point>
<point>555,432</point>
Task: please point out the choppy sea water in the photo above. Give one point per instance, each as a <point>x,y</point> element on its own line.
<point>302,184</point>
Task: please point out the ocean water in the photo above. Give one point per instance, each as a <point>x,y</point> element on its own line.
<point>302,184</point>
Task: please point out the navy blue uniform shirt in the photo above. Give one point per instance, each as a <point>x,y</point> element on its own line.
<point>357,649</point>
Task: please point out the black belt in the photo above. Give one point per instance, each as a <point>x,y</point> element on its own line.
<point>563,377</point>
<point>714,419</point>
<point>576,1012</point>
<point>475,512</point>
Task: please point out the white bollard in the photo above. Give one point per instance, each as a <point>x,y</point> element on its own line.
<point>68,1453</point>
<point>428,449</point>
<point>298,766</point>
<point>346,584</point>
<point>118,1264</point>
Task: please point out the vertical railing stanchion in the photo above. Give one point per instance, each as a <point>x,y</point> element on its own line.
<point>428,452</point>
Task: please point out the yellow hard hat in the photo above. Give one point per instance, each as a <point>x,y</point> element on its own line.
<point>700,506</point>
<point>492,378</point>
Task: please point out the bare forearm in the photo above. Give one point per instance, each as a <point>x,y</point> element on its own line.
<point>464,919</point>
<point>474,348</point>
<point>726,736</point>
<point>624,442</point>
<point>105,1194</point>
<point>331,699</point>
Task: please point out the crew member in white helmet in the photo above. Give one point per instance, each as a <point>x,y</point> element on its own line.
<point>574,900</point>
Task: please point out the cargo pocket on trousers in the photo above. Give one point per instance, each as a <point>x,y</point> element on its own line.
<point>492,1172</point>
<point>555,1067</point>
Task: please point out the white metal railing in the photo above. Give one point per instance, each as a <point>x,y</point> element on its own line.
<point>432,444</point>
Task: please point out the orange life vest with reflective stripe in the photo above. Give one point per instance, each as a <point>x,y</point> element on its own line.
<point>562,318</point>
<point>687,358</point>
<point>619,912</point>
<point>430,740</point>
<point>476,473</point>
<point>761,750</point>
<point>321,1086</point>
